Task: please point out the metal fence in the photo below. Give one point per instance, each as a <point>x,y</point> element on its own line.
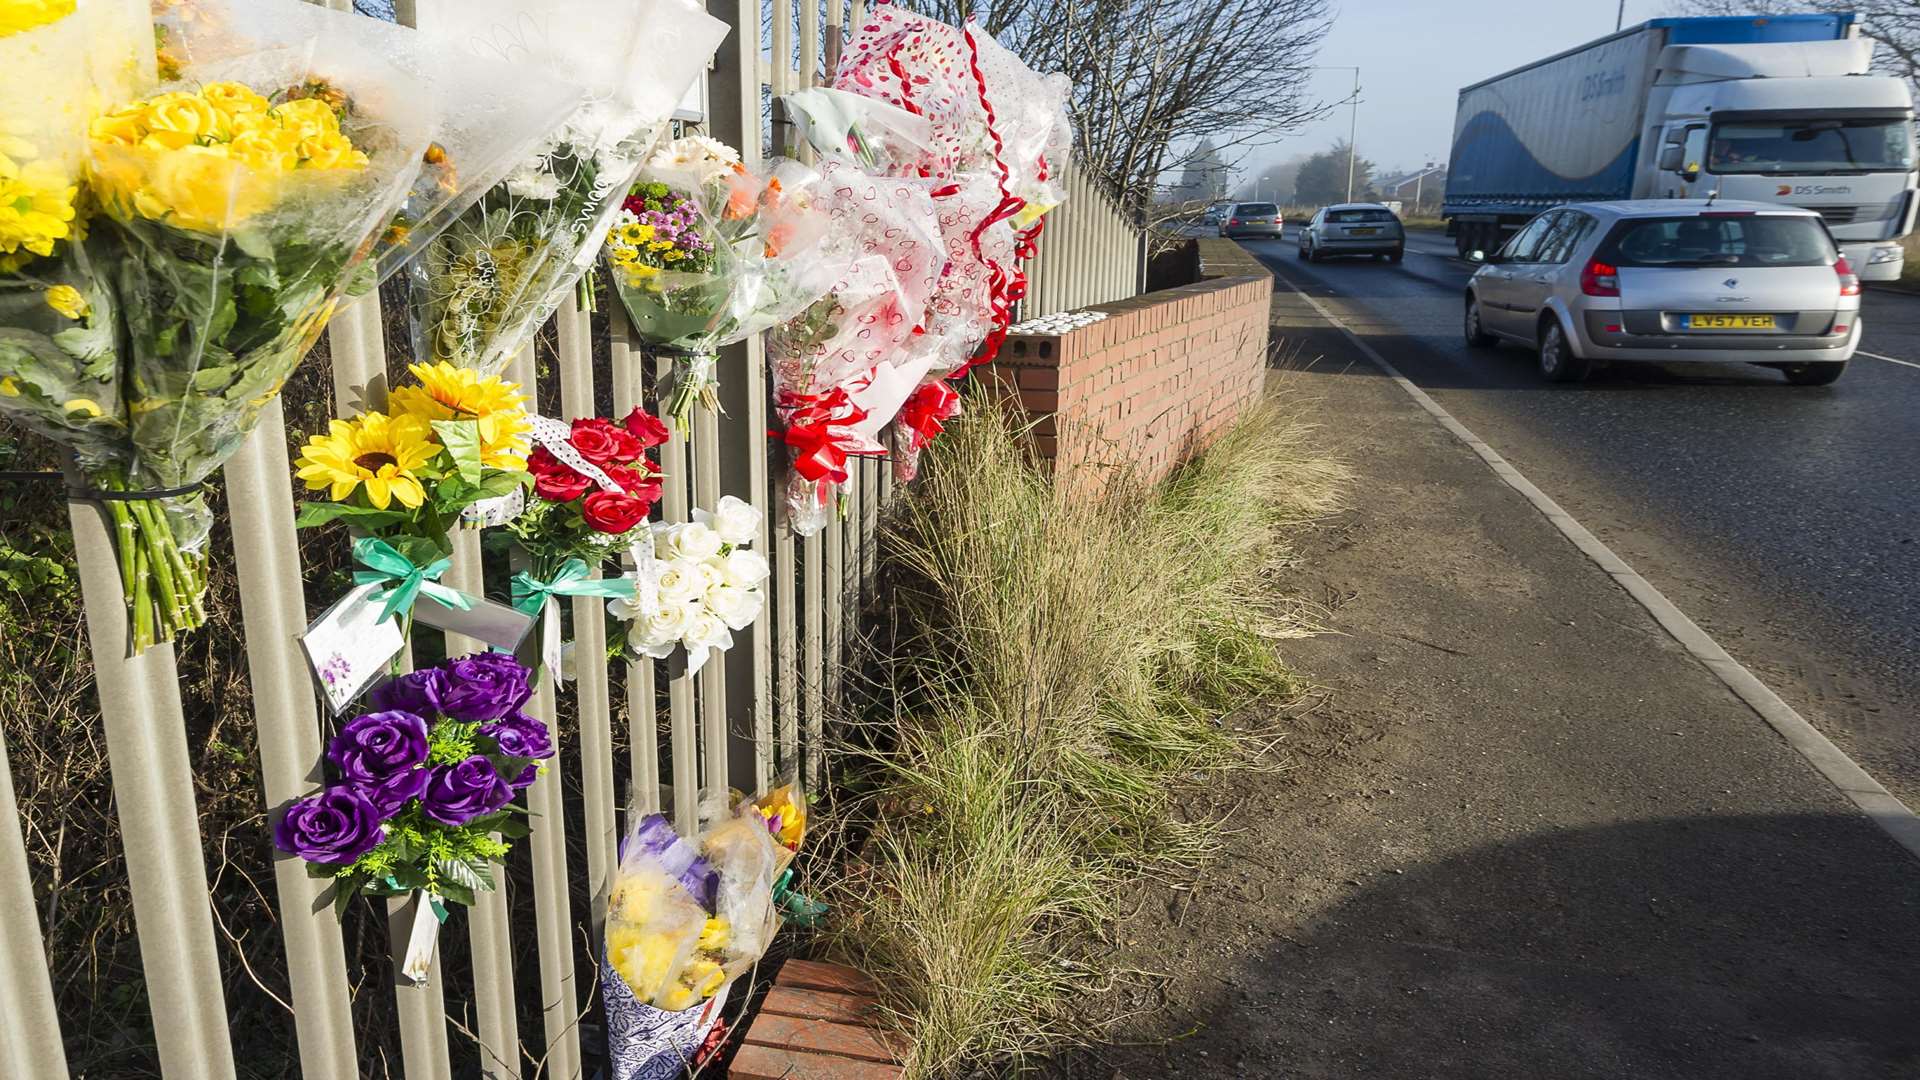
<point>750,713</point>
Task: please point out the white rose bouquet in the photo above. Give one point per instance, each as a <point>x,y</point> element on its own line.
<point>697,582</point>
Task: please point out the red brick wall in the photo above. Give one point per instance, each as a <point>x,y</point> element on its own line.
<point>1148,386</point>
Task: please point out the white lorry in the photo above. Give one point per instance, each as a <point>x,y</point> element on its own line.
<point>1778,109</point>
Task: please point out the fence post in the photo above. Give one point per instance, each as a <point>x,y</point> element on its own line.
<point>32,1047</point>
<point>273,610</point>
<point>643,724</point>
<point>159,826</point>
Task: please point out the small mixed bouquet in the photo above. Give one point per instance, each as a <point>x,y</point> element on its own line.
<point>484,286</point>
<point>685,918</point>
<point>403,477</point>
<point>422,784</point>
<point>703,253</point>
<point>694,585</point>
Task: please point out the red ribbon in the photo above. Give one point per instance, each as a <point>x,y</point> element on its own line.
<point>927,411</point>
<point>819,435</point>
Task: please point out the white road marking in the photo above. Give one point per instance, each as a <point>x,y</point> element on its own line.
<point>1841,771</point>
<point>1888,359</point>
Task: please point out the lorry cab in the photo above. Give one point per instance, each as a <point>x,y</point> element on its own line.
<point>1798,124</point>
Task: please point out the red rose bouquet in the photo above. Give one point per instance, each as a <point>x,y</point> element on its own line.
<point>593,484</point>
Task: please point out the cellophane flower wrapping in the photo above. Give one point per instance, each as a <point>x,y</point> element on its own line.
<point>885,234</point>
<point>217,222</point>
<point>489,113</point>
<point>449,439</point>
<point>696,582</point>
<point>706,252</point>
<point>484,286</point>
<point>687,917</point>
<point>593,487</point>
<point>421,782</point>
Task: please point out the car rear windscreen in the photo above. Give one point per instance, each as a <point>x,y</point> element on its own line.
<point>1350,217</point>
<point>1738,240</point>
<point>1257,209</point>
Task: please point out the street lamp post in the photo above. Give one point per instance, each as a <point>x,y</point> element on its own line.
<point>1353,119</point>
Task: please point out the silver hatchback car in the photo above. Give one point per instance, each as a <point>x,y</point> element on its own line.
<point>1671,281</point>
<point>1353,229</point>
<point>1252,219</point>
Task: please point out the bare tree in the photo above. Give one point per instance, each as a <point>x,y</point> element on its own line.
<point>1152,79</point>
<point>1894,25</point>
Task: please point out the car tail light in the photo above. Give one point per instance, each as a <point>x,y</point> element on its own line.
<point>1600,279</point>
<point>1233,221</point>
<point>1839,328</point>
<point>1849,281</point>
<point>1611,328</point>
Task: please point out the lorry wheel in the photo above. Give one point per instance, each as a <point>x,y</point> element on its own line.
<point>1557,362</point>
<point>1476,334</point>
<point>1822,374</point>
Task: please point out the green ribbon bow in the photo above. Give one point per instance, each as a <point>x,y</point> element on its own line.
<point>385,563</point>
<point>530,594</point>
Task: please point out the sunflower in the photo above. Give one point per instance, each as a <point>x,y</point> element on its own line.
<point>447,392</point>
<point>375,450</point>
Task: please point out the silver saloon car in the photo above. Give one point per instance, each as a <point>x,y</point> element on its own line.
<point>1353,229</point>
<point>1260,219</point>
<point>1671,281</point>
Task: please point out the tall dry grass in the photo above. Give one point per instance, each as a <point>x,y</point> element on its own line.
<point>1058,678</point>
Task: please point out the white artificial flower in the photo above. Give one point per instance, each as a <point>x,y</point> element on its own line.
<point>691,540</point>
<point>625,608</point>
<point>704,572</point>
<point>735,607</point>
<point>704,157</point>
<point>533,182</point>
<point>736,521</point>
<point>680,581</point>
<point>705,630</point>
<point>660,633</point>
<point>742,568</point>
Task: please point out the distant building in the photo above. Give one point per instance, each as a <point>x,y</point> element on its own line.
<point>1422,186</point>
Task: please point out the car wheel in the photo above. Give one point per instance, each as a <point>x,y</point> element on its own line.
<point>1821,374</point>
<point>1300,251</point>
<point>1397,255</point>
<point>1476,334</point>
<point>1313,254</point>
<point>1557,362</point>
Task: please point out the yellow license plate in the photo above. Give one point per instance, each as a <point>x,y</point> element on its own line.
<point>1729,322</point>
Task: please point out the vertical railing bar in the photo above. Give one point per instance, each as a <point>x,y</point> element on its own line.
<point>643,724</point>
<point>287,728</point>
<point>675,461</point>
<point>160,829</point>
<point>809,48</point>
<point>553,914</point>
<point>813,670</point>
<point>836,39</point>
<point>833,586</point>
<point>870,528</point>
<point>32,1047</point>
<point>589,644</point>
<point>711,683</point>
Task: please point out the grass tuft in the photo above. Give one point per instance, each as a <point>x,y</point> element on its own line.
<point>1059,677</point>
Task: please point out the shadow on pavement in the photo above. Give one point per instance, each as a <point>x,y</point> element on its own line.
<point>1737,948</point>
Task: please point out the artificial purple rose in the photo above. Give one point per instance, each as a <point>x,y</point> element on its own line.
<point>390,795</point>
<point>336,826</point>
<point>456,794</point>
<point>485,686</point>
<point>375,746</point>
<point>521,736</point>
<point>525,780</point>
<point>418,692</point>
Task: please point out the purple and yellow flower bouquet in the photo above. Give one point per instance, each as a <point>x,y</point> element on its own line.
<point>424,788</point>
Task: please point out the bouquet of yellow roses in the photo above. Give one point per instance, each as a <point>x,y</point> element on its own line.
<point>152,304</point>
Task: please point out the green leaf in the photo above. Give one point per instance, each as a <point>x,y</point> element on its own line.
<point>320,513</point>
<point>462,440</point>
<point>86,343</point>
<point>456,892</point>
<point>513,828</point>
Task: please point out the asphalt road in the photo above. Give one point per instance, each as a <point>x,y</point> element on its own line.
<point>1783,519</point>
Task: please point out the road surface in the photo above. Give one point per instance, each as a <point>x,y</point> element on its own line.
<point>1785,520</point>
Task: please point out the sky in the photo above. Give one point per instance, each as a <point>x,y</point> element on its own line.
<point>1415,55</point>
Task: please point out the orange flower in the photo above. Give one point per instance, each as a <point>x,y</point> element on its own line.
<point>740,196</point>
<point>777,238</point>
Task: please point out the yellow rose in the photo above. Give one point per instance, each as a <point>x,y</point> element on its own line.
<point>307,118</point>
<point>67,300</point>
<point>202,188</point>
<point>234,99</point>
<point>331,151</point>
<point>265,150</point>
<point>82,406</point>
<point>21,15</point>
<point>9,388</point>
<point>122,127</point>
<point>178,119</point>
